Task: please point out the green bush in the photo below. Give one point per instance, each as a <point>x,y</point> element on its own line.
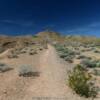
<point>80,81</point>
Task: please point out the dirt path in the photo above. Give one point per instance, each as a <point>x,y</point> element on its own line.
<point>53,73</point>
<point>52,81</point>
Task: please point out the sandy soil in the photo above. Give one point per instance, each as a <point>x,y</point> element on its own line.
<point>50,85</point>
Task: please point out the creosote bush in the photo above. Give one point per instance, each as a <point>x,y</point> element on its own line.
<point>80,81</point>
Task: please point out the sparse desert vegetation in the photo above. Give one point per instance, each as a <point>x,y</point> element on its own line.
<point>42,65</point>
<point>49,49</point>
<point>65,53</point>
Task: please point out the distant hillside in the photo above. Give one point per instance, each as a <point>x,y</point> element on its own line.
<point>50,36</point>
<point>48,33</point>
<point>43,37</point>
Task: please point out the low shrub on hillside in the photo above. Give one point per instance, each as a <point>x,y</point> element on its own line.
<point>81,57</point>
<point>88,63</point>
<point>80,81</point>
<point>98,64</point>
<point>65,53</point>
<point>69,59</point>
<point>96,72</point>
<point>96,51</point>
<point>27,71</point>
<point>77,52</point>
<point>23,51</point>
<point>32,52</point>
<point>4,67</point>
<point>12,56</point>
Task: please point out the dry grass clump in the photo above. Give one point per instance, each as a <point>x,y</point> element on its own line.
<point>4,67</point>
<point>32,52</point>
<point>28,71</point>
<point>12,56</point>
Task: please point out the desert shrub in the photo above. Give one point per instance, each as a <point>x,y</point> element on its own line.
<point>4,67</point>
<point>69,59</point>
<point>65,53</point>
<point>77,53</point>
<point>88,63</point>
<point>59,47</point>
<point>40,49</point>
<point>96,72</point>
<point>27,71</point>
<point>83,50</point>
<point>89,58</point>
<point>81,57</point>
<point>98,64</point>
<point>76,48</point>
<point>96,51</point>
<point>23,51</point>
<point>32,52</point>
<point>80,81</point>
<point>13,54</point>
